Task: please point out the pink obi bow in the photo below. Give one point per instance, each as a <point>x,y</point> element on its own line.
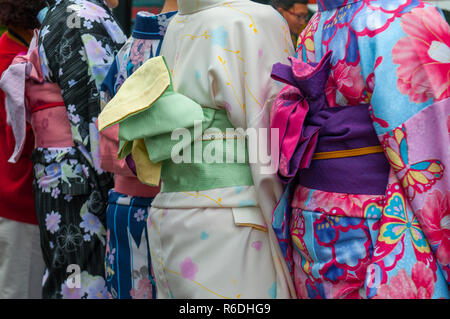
<point>301,98</point>
<point>26,92</point>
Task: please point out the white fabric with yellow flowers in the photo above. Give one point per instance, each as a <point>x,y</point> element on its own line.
<point>215,243</point>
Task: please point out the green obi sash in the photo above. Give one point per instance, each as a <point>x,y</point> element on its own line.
<point>169,135</point>
<point>215,160</point>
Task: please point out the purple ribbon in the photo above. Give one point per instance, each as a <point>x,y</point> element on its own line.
<point>307,124</point>
<point>303,97</point>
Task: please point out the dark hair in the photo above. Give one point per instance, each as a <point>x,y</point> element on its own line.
<point>286,4</point>
<point>20,13</point>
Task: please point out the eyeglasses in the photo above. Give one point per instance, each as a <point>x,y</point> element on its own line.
<point>301,17</point>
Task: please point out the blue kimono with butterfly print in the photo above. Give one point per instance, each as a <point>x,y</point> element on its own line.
<point>394,56</point>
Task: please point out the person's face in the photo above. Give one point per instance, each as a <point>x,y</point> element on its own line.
<point>296,17</point>
<point>112,3</point>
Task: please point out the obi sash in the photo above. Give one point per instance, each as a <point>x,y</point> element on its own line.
<point>198,174</point>
<point>333,149</point>
<point>29,98</point>
<point>149,112</point>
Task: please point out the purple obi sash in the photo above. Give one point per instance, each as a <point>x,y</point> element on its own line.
<point>309,126</point>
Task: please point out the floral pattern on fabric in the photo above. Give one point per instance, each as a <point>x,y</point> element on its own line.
<point>135,52</point>
<point>71,217</point>
<point>403,233</point>
<point>225,64</point>
<point>428,37</point>
<point>92,37</point>
<point>333,237</point>
<point>434,217</point>
<point>77,42</point>
<point>127,258</point>
<point>337,255</point>
<point>420,285</point>
<point>92,287</point>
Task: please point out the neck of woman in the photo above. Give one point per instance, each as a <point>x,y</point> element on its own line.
<point>170,5</point>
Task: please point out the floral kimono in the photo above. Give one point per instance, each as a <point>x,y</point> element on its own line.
<point>208,227</point>
<point>366,210</point>
<point>77,44</point>
<point>127,259</point>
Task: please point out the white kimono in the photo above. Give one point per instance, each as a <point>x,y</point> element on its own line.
<point>205,244</point>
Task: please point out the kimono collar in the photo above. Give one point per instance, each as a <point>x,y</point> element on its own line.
<point>191,6</point>
<point>150,26</point>
<point>325,5</point>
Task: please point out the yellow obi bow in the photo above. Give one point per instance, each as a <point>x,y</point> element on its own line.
<point>148,110</point>
<point>137,94</point>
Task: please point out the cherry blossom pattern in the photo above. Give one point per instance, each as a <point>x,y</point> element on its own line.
<point>423,56</point>
<point>434,218</point>
<point>420,285</point>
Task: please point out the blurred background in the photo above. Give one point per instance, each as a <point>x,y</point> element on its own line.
<point>127,10</point>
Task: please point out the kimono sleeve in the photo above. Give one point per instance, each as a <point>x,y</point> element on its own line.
<point>70,58</point>
<point>411,111</point>
<point>261,50</point>
<point>70,68</point>
<point>109,138</point>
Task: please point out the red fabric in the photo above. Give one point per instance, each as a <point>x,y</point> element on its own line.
<point>36,108</point>
<point>16,190</point>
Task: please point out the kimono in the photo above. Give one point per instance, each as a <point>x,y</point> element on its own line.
<point>208,227</point>
<point>219,54</point>
<point>77,44</point>
<point>127,258</point>
<point>366,204</point>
